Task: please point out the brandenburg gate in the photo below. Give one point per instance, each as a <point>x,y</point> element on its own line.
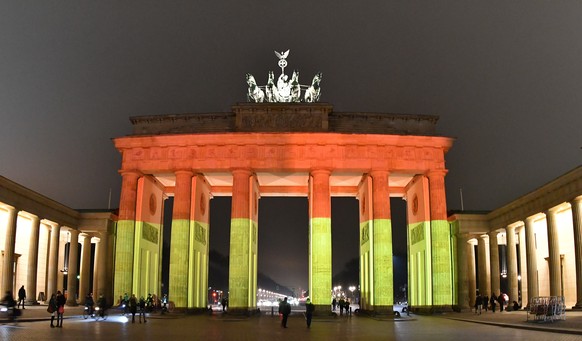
<point>281,145</point>
<point>293,149</point>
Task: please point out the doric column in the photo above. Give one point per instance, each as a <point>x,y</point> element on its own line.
<point>523,274</point>
<point>320,260</point>
<point>484,265</point>
<point>243,241</point>
<point>512,264</point>
<point>53,259</point>
<point>382,243</point>
<point>576,205</point>
<point>123,280</point>
<point>440,241</point>
<point>463,272</point>
<point>554,254</point>
<point>531,258</point>
<point>494,255</point>
<point>180,239</point>
<point>101,266</point>
<point>471,271</point>
<point>84,280</point>
<point>9,242</point>
<point>72,271</point>
<point>32,260</point>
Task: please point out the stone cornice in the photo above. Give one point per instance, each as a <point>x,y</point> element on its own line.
<point>283,151</point>
<point>30,201</point>
<point>562,189</point>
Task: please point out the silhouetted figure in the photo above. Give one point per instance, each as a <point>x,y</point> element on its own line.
<point>309,309</point>
<point>515,306</point>
<point>89,303</point>
<point>493,301</point>
<point>10,303</point>
<point>61,300</point>
<point>501,301</point>
<point>102,304</point>
<point>485,302</point>
<point>142,309</point>
<point>132,307</point>
<point>333,304</point>
<point>284,310</point>
<point>52,308</point>
<point>21,297</point>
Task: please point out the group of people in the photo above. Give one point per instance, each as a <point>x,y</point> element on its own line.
<point>484,302</point>
<point>132,305</point>
<point>343,304</point>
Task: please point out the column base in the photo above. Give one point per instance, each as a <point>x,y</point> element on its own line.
<point>578,306</point>
<point>32,302</point>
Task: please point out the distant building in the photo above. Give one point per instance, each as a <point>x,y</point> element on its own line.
<point>530,247</point>
<point>46,246</point>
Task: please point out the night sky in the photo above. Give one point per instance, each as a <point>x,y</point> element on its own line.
<point>505,77</point>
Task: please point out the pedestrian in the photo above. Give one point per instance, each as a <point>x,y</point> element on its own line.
<point>341,305</point>
<point>485,302</point>
<point>132,307</point>
<point>102,304</point>
<point>493,301</point>
<point>284,310</point>
<point>223,304</point>
<point>10,303</point>
<point>52,308</point>
<point>478,304</point>
<point>501,301</point>
<point>142,309</point>
<point>333,304</point>
<point>21,297</point>
<point>309,309</point>
<point>60,300</point>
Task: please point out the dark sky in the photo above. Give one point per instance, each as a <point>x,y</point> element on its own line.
<point>504,76</point>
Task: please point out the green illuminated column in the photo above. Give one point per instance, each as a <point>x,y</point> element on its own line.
<point>320,240</point>
<point>243,238</point>
<point>122,282</point>
<point>441,241</point>
<point>180,239</point>
<point>383,286</point>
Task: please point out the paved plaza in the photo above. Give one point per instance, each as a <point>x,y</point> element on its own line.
<point>34,325</point>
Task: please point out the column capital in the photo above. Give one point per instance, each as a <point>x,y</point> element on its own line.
<point>320,171</point>
<point>184,171</point>
<point>436,172</point>
<point>577,200</point>
<point>128,172</point>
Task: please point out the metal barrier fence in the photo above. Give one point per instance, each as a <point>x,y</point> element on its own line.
<point>546,309</point>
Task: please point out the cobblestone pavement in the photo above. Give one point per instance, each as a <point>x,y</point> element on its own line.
<point>34,325</point>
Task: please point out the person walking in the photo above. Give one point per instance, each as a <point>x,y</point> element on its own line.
<point>309,309</point>
<point>52,308</point>
<point>493,301</point>
<point>60,300</point>
<point>21,297</point>
<point>142,309</point>
<point>501,301</point>
<point>132,307</point>
<point>485,302</point>
<point>284,310</point>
